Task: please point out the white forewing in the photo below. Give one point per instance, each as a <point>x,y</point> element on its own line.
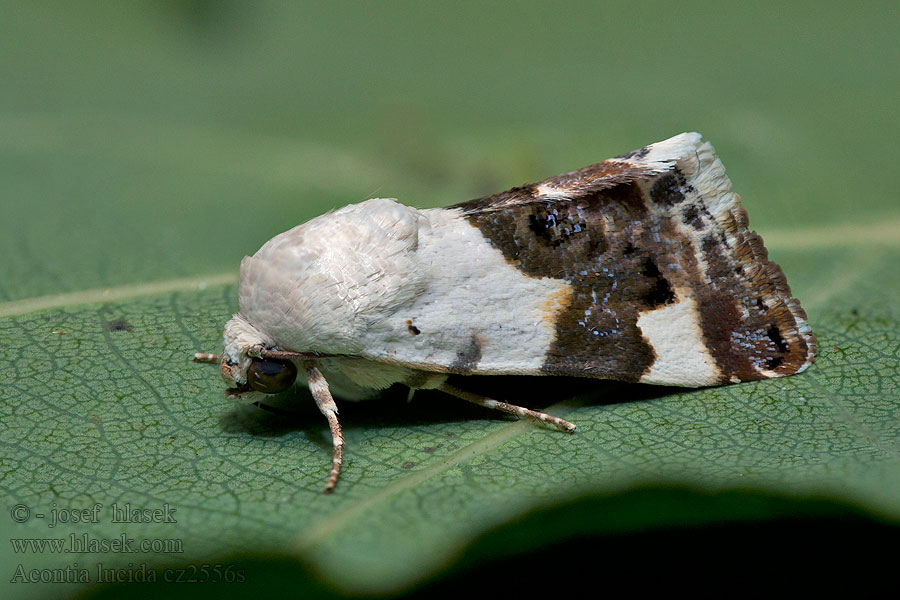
<point>391,283</point>
<point>681,355</point>
<point>474,310</point>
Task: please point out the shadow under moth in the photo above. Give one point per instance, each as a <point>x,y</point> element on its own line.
<point>639,268</point>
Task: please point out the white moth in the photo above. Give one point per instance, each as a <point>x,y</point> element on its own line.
<point>639,268</point>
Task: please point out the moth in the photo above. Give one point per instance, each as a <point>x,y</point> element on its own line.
<point>640,268</point>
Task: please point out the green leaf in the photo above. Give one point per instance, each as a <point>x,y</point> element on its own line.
<point>138,169</point>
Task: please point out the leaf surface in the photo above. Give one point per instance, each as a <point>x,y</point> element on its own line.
<point>126,213</point>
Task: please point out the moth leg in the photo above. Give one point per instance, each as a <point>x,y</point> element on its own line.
<point>322,395</point>
<point>519,411</point>
<point>203,357</point>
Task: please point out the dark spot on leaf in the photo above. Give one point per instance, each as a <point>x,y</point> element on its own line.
<point>430,449</point>
<point>119,325</point>
<point>408,465</point>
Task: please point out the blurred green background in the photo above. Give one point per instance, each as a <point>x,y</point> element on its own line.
<point>197,129</point>
<point>147,146</point>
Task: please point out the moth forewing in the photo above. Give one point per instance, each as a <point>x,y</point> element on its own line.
<point>639,268</point>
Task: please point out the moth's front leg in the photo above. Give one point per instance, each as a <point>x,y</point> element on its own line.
<point>322,395</point>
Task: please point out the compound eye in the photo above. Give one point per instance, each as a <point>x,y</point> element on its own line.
<point>271,376</point>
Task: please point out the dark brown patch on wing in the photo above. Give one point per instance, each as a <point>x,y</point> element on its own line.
<point>558,224</point>
<point>625,251</point>
<point>775,335</point>
<point>637,154</point>
<point>662,292</point>
<point>593,178</point>
<point>468,358</point>
<point>750,321</point>
<point>691,216</point>
<point>667,190</point>
<point>516,195</point>
<point>603,244</point>
<point>555,224</point>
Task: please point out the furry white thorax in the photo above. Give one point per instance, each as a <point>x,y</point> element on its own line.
<point>380,279</point>
<point>316,287</point>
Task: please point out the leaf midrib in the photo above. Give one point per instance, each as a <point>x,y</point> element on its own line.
<point>115,293</point>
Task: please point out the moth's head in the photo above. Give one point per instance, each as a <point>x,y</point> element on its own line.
<point>245,373</point>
